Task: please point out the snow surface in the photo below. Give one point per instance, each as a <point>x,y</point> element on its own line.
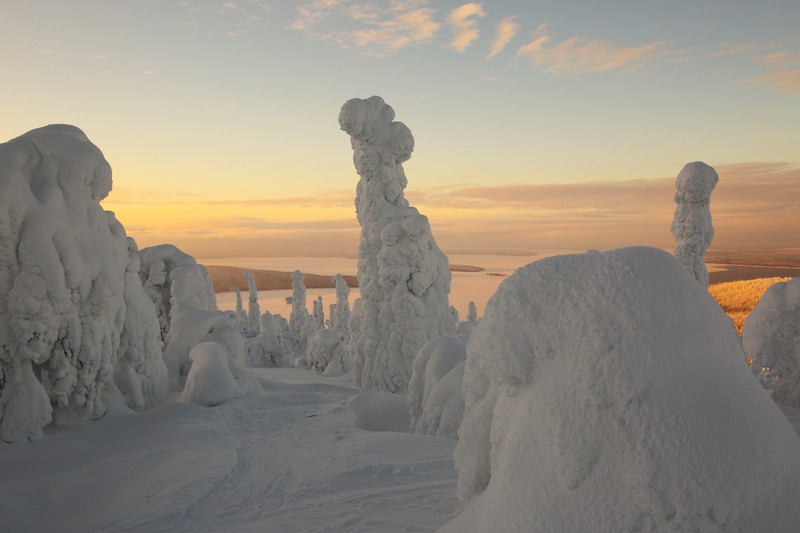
<point>70,304</point>
<point>288,460</point>
<point>691,224</point>
<point>771,338</point>
<point>402,273</point>
<point>608,392</point>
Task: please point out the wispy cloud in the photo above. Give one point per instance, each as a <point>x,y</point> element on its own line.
<point>782,58</point>
<point>465,26</point>
<point>240,14</point>
<point>506,30</point>
<point>579,54</point>
<point>368,28</point>
<point>47,48</point>
<point>785,81</point>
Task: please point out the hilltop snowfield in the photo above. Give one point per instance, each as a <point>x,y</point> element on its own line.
<point>290,460</point>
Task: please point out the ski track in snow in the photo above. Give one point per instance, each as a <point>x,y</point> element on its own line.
<point>290,459</point>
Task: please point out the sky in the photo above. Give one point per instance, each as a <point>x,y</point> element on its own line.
<point>538,125</point>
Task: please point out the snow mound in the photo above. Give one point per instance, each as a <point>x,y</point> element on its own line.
<point>69,308</point>
<point>325,347</point>
<point>210,381</point>
<point>607,392</point>
<point>403,276</point>
<point>771,338</point>
<point>435,400</point>
<point>175,282</point>
<point>195,326</point>
<point>380,411</point>
<point>691,224</point>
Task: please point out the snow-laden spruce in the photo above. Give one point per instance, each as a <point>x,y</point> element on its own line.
<point>403,276</point>
<point>435,398</point>
<point>175,282</point>
<point>691,224</point>
<point>771,338</point>
<point>253,308</point>
<point>71,306</point>
<point>299,314</point>
<point>607,392</point>
<point>340,314</point>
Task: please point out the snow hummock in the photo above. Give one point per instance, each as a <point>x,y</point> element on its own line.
<point>435,399</point>
<point>608,392</point>
<point>771,338</point>
<point>210,381</point>
<point>70,308</point>
<point>402,274</point>
<point>691,224</point>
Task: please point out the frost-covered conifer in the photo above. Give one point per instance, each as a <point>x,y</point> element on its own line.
<point>472,313</point>
<point>175,282</point>
<point>299,313</point>
<point>241,316</point>
<point>253,309</point>
<point>402,274</point>
<point>68,306</point>
<point>319,312</point>
<point>340,314</point>
<point>691,224</point>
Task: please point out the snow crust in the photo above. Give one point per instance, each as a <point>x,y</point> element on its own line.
<point>607,392</point>
<point>771,338</point>
<point>70,308</point>
<point>435,399</point>
<point>402,274</point>
<point>691,224</point>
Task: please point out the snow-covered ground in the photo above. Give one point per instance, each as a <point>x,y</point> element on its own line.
<point>291,459</point>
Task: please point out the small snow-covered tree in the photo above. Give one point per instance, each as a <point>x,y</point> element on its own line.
<point>319,312</point>
<point>341,312</point>
<point>472,313</point>
<point>299,313</point>
<point>402,274</point>
<point>241,316</point>
<point>175,282</point>
<point>253,310</point>
<point>691,224</point>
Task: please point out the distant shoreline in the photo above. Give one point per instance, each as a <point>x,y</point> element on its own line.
<point>742,272</point>
<point>224,278</point>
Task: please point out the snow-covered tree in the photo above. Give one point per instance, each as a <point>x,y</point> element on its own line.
<point>319,312</point>
<point>242,319</point>
<point>435,399</point>
<point>606,392</point>
<point>69,308</point>
<point>472,313</point>
<point>299,313</point>
<point>253,309</point>
<point>175,282</point>
<point>402,274</point>
<point>340,314</point>
<point>691,224</point>
<point>771,339</point>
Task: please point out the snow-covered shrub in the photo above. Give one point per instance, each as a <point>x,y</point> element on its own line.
<point>65,289</point>
<point>324,346</point>
<point>253,309</point>
<point>691,224</point>
<point>771,339</point>
<point>210,381</point>
<point>607,392</point>
<point>402,274</point>
<point>435,400</point>
<point>175,282</point>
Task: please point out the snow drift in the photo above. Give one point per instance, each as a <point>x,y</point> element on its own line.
<point>402,274</point>
<point>691,224</point>
<point>771,338</point>
<point>607,392</point>
<point>70,304</point>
